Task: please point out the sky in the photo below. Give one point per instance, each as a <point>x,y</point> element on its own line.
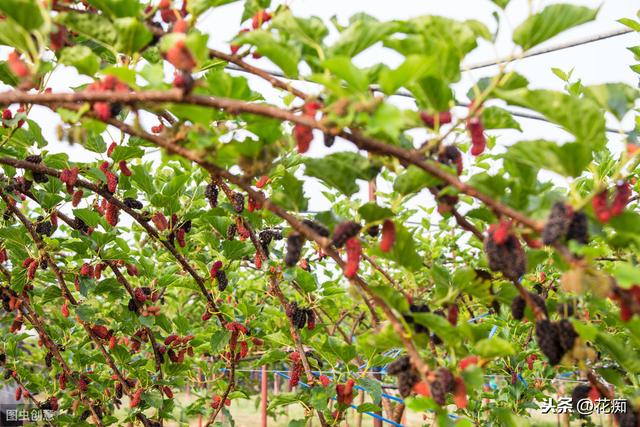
<point>599,62</point>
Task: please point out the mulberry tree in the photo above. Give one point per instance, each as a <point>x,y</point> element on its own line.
<point>181,250</point>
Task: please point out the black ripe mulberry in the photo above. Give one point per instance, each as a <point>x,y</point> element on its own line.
<point>231,231</point>
<point>406,375</point>
<point>566,334</point>
<point>237,201</point>
<point>579,228</point>
<point>132,203</point>
<point>549,341</point>
<point>221,277</point>
<point>299,318</point>
<point>445,377</point>
<point>44,228</point>
<point>508,257</point>
<point>79,224</point>
<point>628,418</point>
<point>294,249</point>
<point>517,307</point>
<point>579,393</point>
<point>318,228</point>
<point>399,365</point>
<point>557,224</point>
<point>211,193</point>
<point>132,305</point>
<point>566,309</point>
<point>344,231</point>
<point>417,308</point>
<point>540,302</point>
<point>373,231</point>
<point>37,176</point>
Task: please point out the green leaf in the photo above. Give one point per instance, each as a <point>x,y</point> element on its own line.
<point>569,159</point>
<point>368,407</point>
<point>502,4</point>
<point>404,250</point>
<point>432,94</point>
<point>553,20</point>
<point>373,388</point>
<point>634,25</point>
<point>371,212</point>
<point>340,170</point>
<point>289,194</point>
<point>580,117</point>
<point>412,180</point>
<point>82,58</point>
<point>391,296</point>
<point>197,7</point>
<point>126,152</point>
<point>283,56</point>
<point>498,118</point>
<point>626,274</point>
<point>6,76</point>
<point>219,340</point>
<point>91,25</point>
<point>343,352</point>
<point>416,67</point>
<point>133,35</point>
<point>364,31</point>
<point>26,13</point>
<point>493,347</point>
<point>89,216</point>
<point>342,67</point>
<point>616,98</point>
<point>117,8</point>
<point>11,34</point>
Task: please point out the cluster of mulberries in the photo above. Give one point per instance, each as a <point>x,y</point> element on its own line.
<point>407,376</point>
<point>69,177</point>
<point>344,392</point>
<point>37,176</point>
<point>295,241</point>
<point>519,304</point>
<point>555,338</point>
<point>44,228</point>
<point>211,193</point>
<point>564,223</point>
<point>301,317</point>
<point>178,346</point>
<point>504,251</point>
<point>132,203</point>
<point>345,231</point>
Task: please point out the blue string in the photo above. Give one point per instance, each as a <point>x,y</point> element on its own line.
<point>371,414</point>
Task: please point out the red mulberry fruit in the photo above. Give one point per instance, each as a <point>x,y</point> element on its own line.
<point>77,196</point>
<point>112,214</point>
<point>354,252</point>
<point>388,235</point>
<point>442,117</point>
